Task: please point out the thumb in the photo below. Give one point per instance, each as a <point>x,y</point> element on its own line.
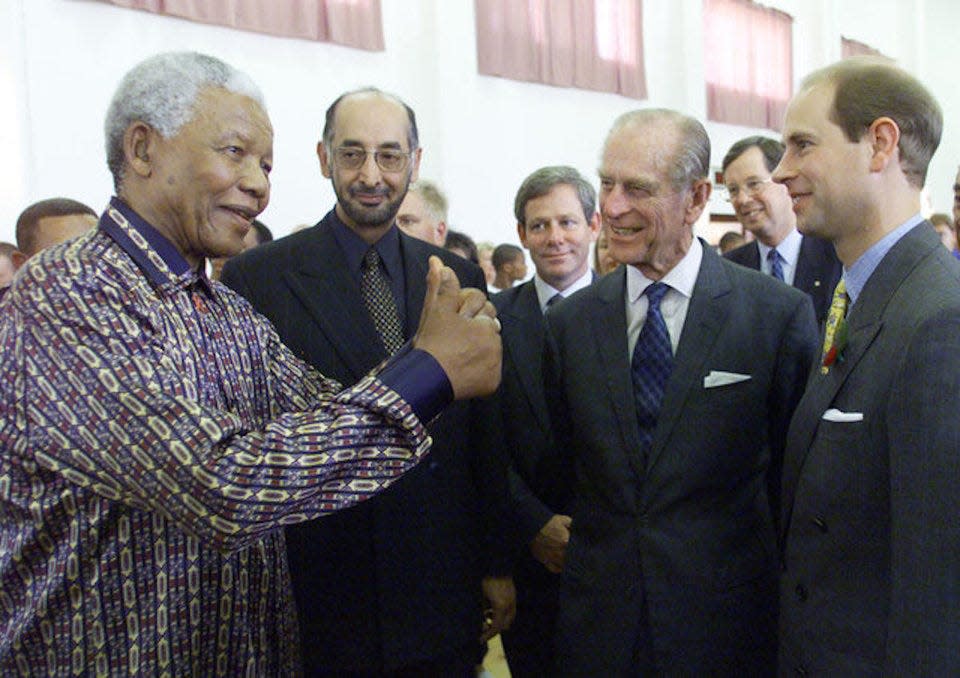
<point>443,288</point>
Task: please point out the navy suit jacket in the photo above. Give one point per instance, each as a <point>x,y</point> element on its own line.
<point>677,546</point>
<point>394,580</point>
<point>871,584</point>
<point>818,270</point>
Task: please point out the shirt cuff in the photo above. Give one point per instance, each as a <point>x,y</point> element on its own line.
<point>418,378</point>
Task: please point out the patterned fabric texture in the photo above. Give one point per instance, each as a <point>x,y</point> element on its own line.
<point>154,435</point>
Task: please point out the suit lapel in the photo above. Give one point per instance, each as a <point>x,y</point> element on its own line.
<point>864,323</point>
<point>327,290</point>
<point>609,323</point>
<point>415,267</point>
<point>706,315</point>
<point>524,343</point>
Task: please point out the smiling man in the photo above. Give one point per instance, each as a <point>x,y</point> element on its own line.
<point>397,586</point>
<point>557,220</point>
<point>155,434</point>
<point>871,478</point>
<point>763,208</point>
<point>670,383</point>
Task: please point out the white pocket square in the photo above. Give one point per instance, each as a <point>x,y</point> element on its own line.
<point>718,378</point>
<point>833,414</point>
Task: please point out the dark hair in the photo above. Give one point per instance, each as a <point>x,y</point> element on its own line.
<point>504,254</point>
<point>771,149</point>
<point>51,207</point>
<point>869,88</point>
<point>461,241</point>
<point>330,121</point>
<point>263,233</point>
<point>541,182</point>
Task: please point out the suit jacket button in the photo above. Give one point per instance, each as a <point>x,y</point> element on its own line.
<point>801,592</point>
<point>821,524</point>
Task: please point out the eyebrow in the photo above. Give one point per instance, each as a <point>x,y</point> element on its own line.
<point>386,144</point>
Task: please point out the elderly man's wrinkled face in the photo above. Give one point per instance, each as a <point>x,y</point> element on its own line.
<point>212,178</point>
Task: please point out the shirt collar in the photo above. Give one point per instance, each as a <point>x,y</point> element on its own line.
<point>355,248</point>
<point>156,256</point>
<point>859,273</point>
<point>681,277</point>
<point>546,292</point>
<point>788,249</point>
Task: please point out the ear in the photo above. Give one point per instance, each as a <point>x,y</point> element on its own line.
<point>594,226</point>
<point>441,235</point>
<point>884,138</point>
<point>324,160</point>
<point>697,201</point>
<point>522,234</point>
<point>139,144</point>
<point>415,171</point>
<point>18,258</point>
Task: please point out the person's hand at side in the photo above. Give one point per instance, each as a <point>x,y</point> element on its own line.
<point>460,330</point>
<point>501,598</point>
<point>549,546</point>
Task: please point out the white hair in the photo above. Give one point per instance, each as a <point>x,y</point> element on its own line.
<point>162,91</point>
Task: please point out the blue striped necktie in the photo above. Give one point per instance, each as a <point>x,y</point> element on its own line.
<point>651,365</point>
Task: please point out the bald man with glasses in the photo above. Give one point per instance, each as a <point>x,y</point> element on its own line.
<point>765,210</point>
<point>401,586</point>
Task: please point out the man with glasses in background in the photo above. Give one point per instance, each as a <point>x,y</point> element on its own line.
<point>765,210</point>
<point>396,587</point>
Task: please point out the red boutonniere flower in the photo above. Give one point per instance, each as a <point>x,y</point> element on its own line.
<point>835,353</point>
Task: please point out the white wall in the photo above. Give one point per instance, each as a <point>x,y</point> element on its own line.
<point>61,59</point>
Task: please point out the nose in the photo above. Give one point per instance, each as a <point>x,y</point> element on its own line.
<point>369,171</point>
<point>783,172</point>
<point>614,203</point>
<point>256,182</point>
<point>554,232</point>
<point>741,198</point>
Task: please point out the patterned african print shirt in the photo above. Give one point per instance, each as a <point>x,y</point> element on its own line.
<point>154,435</point>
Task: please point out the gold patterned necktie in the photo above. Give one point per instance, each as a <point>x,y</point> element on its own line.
<point>838,310</point>
<point>380,303</point>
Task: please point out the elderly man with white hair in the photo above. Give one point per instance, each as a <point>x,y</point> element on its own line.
<point>155,434</point>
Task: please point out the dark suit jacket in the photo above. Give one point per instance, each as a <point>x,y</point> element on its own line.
<point>395,580</point>
<point>818,270</point>
<point>528,438</point>
<point>678,546</point>
<point>872,538</point>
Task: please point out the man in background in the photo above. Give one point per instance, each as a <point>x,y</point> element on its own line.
<point>557,220</point>
<point>764,209</point>
<point>671,382</point>
<point>510,265</point>
<point>49,222</point>
<point>423,213</point>
<point>397,586</point>
<point>871,483</point>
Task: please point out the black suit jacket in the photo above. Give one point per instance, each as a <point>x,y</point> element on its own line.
<point>677,546</point>
<point>395,580</point>
<point>818,270</point>
<point>528,438</point>
<point>871,584</point>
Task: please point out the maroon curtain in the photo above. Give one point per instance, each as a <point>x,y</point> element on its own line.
<point>355,23</point>
<point>748,53</point>
<point>590,44</point>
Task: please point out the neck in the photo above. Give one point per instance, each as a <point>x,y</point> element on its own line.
<point>143,206</point>
<point>369,234</point>
<point>878,223</point>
